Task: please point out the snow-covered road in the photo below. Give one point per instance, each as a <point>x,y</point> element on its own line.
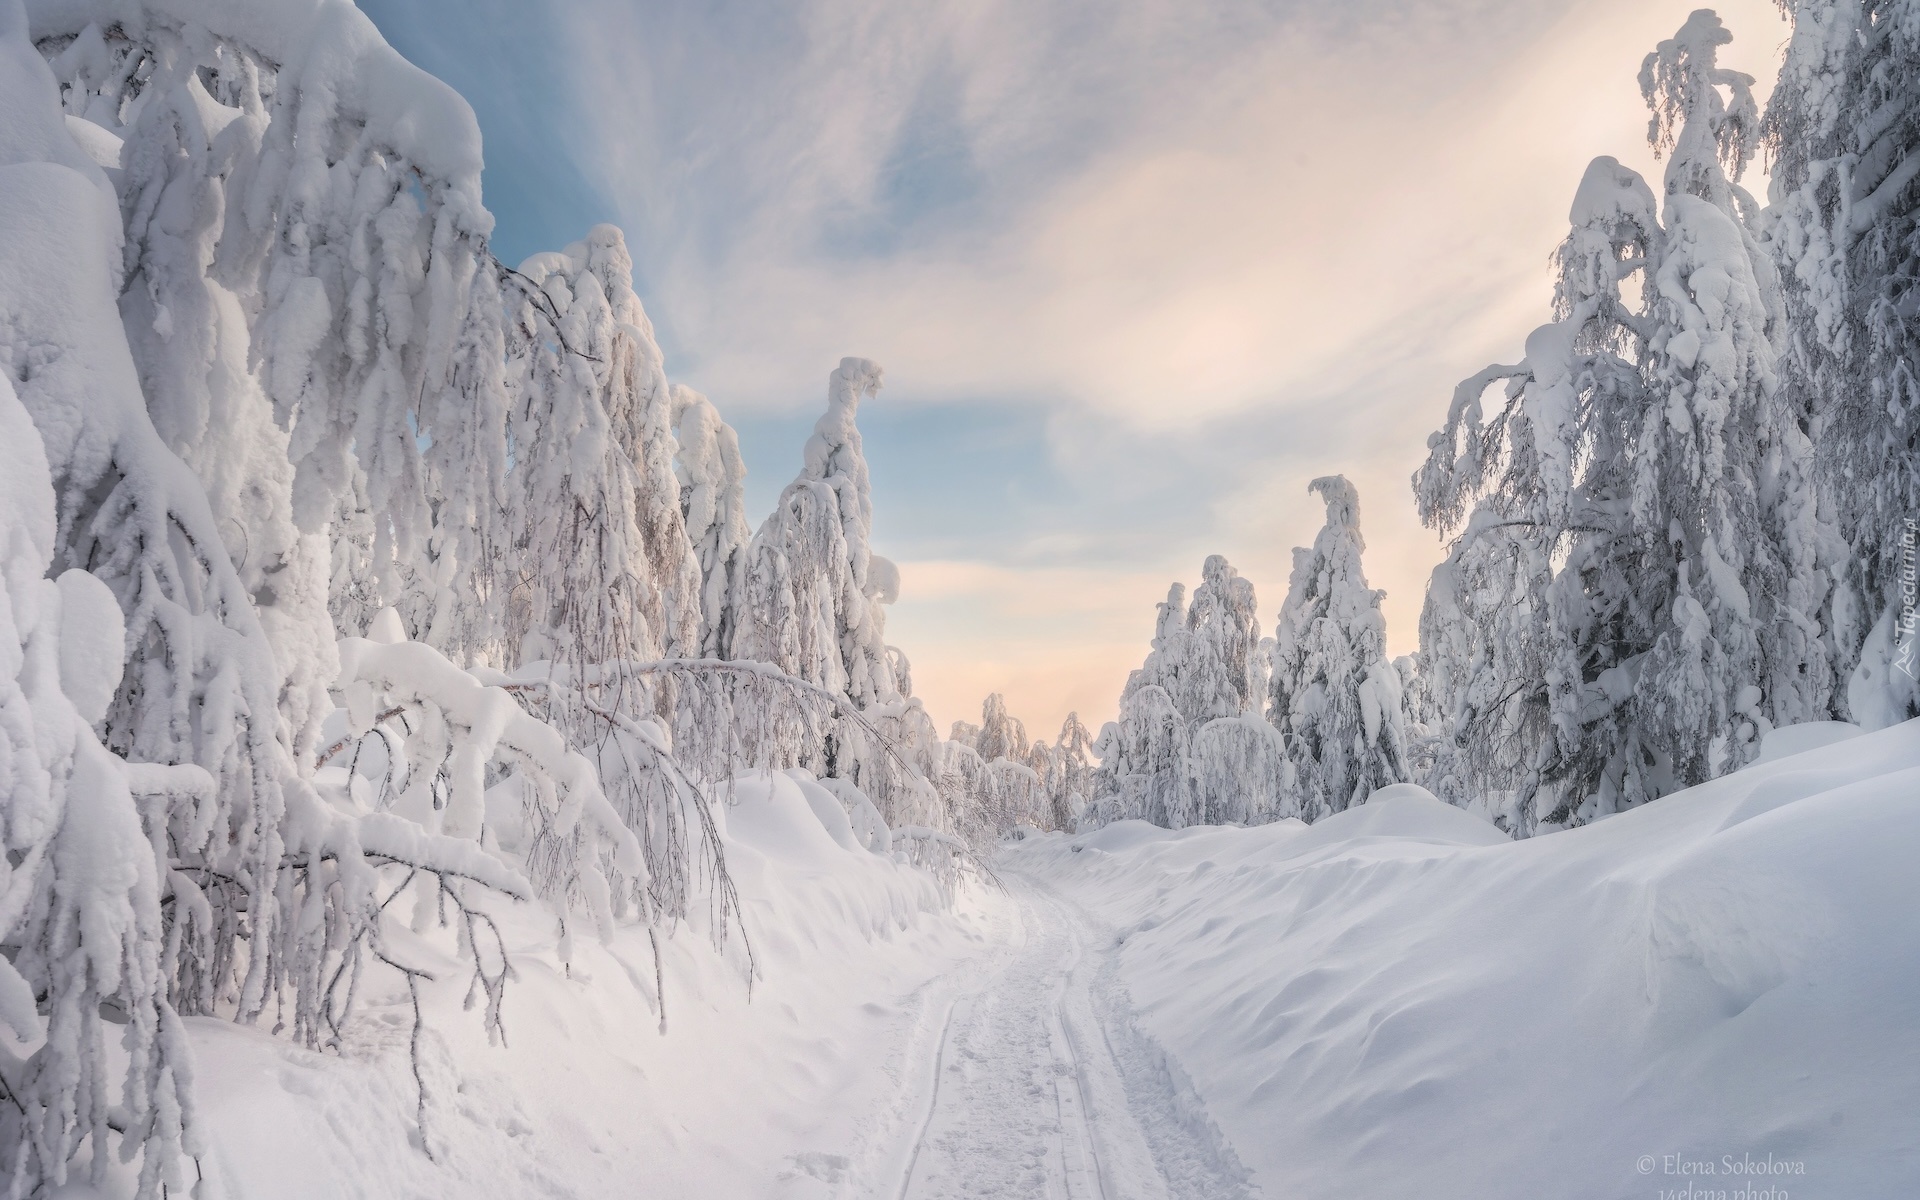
<point>1038,1084</point>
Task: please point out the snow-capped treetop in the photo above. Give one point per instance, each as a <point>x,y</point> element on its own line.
<point>1170,617</point>
<point>1611,198</point>
<point>327,50</point>
<point>1711,139</point>
<point>1615,226</point>
<point>1001,735</point>
<point>1328,580</point>
<point>833,456</point>
<point>1223,624</point>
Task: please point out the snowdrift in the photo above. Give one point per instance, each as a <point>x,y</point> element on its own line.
<point>1714,989</point>
<point>589,1097</point>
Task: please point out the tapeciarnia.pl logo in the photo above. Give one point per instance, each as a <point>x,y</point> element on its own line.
<point>1903,642</point>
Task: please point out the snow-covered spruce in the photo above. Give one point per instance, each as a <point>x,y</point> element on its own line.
<point>1066,770</point>
<point>1335,697</point>
<point>811,600</point>
<point>1505,636</point>
<point>1189,746</point>
<point>1843,128</point>
<point>1635,593</point>
<point>712,508</point>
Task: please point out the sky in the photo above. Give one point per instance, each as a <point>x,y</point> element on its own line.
<point>1136,272</point>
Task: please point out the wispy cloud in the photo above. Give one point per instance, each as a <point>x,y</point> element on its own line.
<point>1183,257</point>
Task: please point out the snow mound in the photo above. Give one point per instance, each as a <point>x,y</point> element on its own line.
<point>1399,993</point>
<point>1121,836</point>
<point>791,819</point>
<point>1789,740</point>
<point>1407,810</point>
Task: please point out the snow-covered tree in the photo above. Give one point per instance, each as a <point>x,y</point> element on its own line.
<point>1239,773</point>
<point>1236,767</point>
<point>812,599</point>
<point>1002,735</point>
<point>1223,635</point>
<point>1066,770</point>
<point>1843,127</point>
<point>1726,457</point>
<point>713,508</point>
<point>1635,592</point>
<point>1335,696</point>
<point>1183,750</point>
<point>600,568</point>
<point>80,883</point>
<point>1534,598</point>
<point>1143,762</point>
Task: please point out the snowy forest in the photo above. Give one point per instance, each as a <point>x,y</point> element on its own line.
<point>385,635</point>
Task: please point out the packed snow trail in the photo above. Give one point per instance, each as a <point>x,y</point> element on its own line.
<point>1041,1086</point>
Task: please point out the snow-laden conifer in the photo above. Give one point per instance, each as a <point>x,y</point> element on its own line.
<point>1143,762</point>
<point>713,507</point>
<point>1066,769</point>
<point>1002,735</point>
<point>1335,696</point>
<point>1635,592</point>
<point>811,600</point>
<point>1189,746</point>
<point>1723,458</point>
<point>1843,128</point>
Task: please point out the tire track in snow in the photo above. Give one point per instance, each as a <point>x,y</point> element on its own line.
<point>1080,1158</point>
<point>1042,1085</point>
<point>933,1096</point>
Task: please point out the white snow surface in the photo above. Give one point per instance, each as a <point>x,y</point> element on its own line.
<point>741,1096</point>
<point>1396,1000</point>
<point>1399,1001</point>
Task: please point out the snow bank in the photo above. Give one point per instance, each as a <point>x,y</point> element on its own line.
<point>588,1097</point>
<point>1400,1001</point>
